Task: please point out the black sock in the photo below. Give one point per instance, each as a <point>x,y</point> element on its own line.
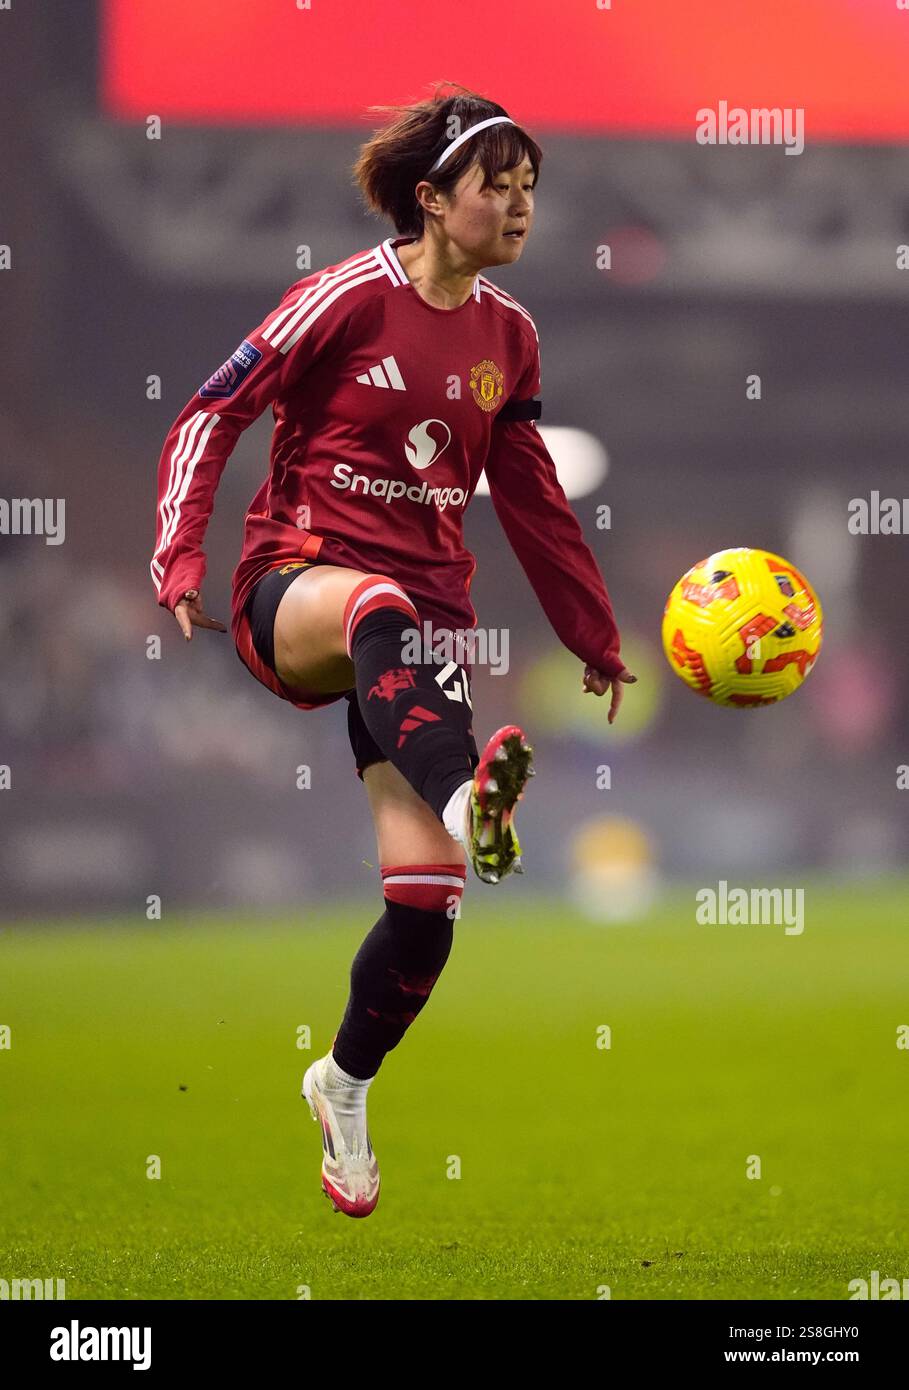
<point>399,962</point>
<point>422,731</point>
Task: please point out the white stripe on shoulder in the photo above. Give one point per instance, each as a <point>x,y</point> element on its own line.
<point>300,325</point>
<point>315,304</point>
<point>329,277</point>
<point>491,285</point>
<point>387,256</point>
<point>495,292</point>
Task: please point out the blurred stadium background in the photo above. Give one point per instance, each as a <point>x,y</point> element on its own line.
<point>134,257</point>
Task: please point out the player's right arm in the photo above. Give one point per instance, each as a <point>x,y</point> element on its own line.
<point>267,363</point>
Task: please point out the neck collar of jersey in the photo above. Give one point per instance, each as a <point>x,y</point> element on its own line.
<point>388,256</point>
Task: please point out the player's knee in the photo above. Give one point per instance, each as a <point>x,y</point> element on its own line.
<point>372,594</point>
<point>434,889</point>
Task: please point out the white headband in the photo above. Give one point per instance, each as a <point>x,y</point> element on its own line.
<point>471,130</point>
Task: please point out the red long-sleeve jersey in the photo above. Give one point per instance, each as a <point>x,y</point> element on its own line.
<point>386,412</point>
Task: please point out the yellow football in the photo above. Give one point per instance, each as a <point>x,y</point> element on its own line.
<point>743,628</point>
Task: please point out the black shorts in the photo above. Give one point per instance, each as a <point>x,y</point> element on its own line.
<point>260,610</point>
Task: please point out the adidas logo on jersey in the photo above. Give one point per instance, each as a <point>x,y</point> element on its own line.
<point>386,373</point>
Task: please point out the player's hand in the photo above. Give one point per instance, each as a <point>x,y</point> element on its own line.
<point>189,613</point>
<point>595,683</point>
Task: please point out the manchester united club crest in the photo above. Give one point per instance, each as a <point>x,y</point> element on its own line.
<point>486,383</point>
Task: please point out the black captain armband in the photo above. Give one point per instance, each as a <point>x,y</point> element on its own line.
<point>521,410</point>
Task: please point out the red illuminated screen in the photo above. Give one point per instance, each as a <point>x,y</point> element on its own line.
<point>640,67</point>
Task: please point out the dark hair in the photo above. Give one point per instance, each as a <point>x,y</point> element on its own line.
<point>401,153</point>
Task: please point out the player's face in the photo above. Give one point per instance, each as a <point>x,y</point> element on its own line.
<point>490,225</point>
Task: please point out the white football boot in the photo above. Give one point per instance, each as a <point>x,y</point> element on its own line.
<point>350,1171</point>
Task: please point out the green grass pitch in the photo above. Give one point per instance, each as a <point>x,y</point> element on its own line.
<point>580,1167</point>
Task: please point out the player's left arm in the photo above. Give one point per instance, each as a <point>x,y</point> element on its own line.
<point>547,539</point>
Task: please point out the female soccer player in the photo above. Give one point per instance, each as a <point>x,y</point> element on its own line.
<point>395,377</point>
